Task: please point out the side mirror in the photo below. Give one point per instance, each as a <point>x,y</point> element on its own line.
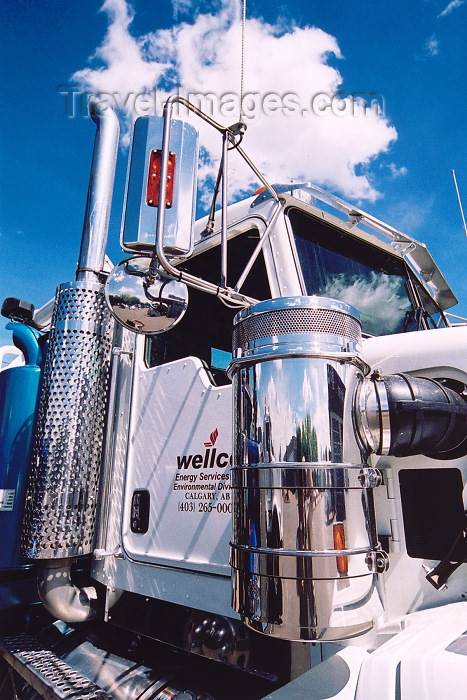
<point>144,301</point>
<point>143,182</point>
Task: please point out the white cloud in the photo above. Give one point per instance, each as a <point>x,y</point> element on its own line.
<point>180,7</point>
<point>432,45</point>
<point>454,4</point>
<point>329,142</point>
<point>397,172</point>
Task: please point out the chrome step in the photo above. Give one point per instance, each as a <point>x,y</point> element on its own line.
<point>51,677</point>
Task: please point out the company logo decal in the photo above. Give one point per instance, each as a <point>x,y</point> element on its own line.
<point>212,439</point>
<point>211,457</point>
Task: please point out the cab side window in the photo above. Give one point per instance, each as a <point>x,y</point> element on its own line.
<point>205,331</point>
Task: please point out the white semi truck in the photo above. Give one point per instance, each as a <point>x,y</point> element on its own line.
<point>233,465</point>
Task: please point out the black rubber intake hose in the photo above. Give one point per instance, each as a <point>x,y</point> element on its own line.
<point>401,415</point>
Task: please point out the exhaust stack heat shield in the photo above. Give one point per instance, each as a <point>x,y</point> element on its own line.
<point>304,552</point>
<point>62,497</point>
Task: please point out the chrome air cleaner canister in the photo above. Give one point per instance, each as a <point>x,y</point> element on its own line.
<point>304,552</point>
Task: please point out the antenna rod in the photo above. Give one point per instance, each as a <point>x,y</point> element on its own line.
<point>460,202</point>
<point>242,62</point>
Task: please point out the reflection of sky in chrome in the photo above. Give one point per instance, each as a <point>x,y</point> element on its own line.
<point>119,275</point>
<point>127,279</point>
<point>292,389</point>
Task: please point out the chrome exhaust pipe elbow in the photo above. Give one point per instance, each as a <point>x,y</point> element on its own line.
<point>59,595</point>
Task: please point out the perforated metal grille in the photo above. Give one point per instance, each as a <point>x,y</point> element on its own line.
<point>61,504</point>
<point>46,671</point>
<point>295,321</point>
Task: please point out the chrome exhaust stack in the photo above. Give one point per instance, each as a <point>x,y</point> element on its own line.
<point>63,487</point>
<point>304,552</point>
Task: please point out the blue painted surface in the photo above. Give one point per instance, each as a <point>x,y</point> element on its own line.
<point>19,390</point>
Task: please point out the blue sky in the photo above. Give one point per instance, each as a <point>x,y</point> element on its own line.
<point>396,165</point>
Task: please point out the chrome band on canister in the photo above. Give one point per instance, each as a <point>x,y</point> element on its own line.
<point>304,552</point>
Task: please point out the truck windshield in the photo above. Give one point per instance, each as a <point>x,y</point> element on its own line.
<point>340,266</point>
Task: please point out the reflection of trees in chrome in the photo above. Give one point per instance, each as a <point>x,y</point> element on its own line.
<point>307,441</point>
<point>124,299</point>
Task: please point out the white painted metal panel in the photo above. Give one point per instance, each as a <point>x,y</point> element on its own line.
<point>179,451</point>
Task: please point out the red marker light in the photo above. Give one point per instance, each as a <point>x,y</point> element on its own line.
<point>154,178</point>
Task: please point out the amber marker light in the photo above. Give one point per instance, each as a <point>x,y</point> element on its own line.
<point>342,561</point>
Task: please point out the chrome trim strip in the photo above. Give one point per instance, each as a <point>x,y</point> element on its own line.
<point>385,423</point>
<point>300,552</point>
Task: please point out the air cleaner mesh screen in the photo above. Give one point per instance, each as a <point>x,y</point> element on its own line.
<point>295,321</point>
